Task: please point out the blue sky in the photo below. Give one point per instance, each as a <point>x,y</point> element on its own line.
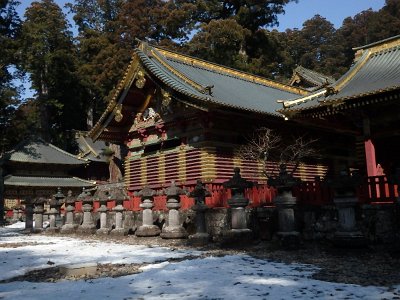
<point>334,11</point>
<point>296,13</point>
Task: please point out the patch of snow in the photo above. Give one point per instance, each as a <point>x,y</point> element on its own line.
<point>228,277</point>
<point>35,251</point>
<point>17,225</point>
<point>154,266</point>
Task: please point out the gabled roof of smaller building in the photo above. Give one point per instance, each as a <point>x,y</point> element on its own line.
<point>311,77</point>
<point>30,181</point>
<point>37,151</point>
<point>376,70</point>
<point>88,149</point>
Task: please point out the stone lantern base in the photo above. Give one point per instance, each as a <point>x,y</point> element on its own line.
<point>86,229</point>
<point>237,237</point>
<point>348,235</point>
<point>288,236</point>
<point>68,228</point>
<point>199,239</point>
<point>52,230</point>
<point>177,232</point>
<point>148,230</point>
<point>119,232</point>
<point>103,231</point>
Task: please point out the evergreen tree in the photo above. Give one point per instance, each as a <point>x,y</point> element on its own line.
<point>369,26</point>
<point>250,14</point>
<point>219,41</point>
<point>258,51</point>
<point>9,29</point>
<point>317,46</point>
<point>102,59</point>
<point>48,57</point>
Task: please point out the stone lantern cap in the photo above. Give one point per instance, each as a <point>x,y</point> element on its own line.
<point>173,191</point>
<point>85,196</point>
<point>146,193</point>
<point>237,182</point>
<point>199,193</point>
<point>103,195</point>
<point>346,184</point>
<point>39,201</point>
<point>57,198</point>
<point>118,194</point>
<point>69,199</point>
<point>284,180</point>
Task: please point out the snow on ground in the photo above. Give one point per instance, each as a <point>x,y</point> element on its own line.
<point>17,225</point>
<point>228,277</point>
<point>37,250</point>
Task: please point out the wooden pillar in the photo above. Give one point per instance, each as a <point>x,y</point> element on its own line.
<point>370,158</point>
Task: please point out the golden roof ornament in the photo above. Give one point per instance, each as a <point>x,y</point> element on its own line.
<point>141,80</point>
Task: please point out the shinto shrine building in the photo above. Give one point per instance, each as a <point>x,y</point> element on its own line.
<point>182,119</point>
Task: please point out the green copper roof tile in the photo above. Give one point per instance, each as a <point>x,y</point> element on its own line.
<point>27,181</point>
<point>40,152</point>
<point>227,90</point>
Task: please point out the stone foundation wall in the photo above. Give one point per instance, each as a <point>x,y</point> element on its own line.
<point>380,224</point>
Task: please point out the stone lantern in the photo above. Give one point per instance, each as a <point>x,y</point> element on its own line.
<point>16,214</point>
<point>15,217</point>
<point>238,203</point>
<point>285,204</point>
<point>55,205</point>
<point>119,195</point>
<point>28,214</point>
<point>87,226</point>
<point>39,210</point>
<point>103,197</point>
<point>201,237</point>
<point>345,199</point>
<point>69,226</point>
<point>174,230</point>
<point>148,228</point>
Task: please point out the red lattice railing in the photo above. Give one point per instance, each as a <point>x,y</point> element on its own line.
<point>378,190</point>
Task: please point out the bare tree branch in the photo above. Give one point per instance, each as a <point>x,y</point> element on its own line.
<point>266,146</point>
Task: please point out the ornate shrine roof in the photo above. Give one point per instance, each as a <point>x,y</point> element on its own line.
<point>213,83</point>
<point>88,149</point>
<point>38,151</point>
<point>30,181</point>
<point>376,70</point>
<point>203,83</point>
<point>313,78</point>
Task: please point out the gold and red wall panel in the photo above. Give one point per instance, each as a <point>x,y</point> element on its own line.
<point>187,165</point>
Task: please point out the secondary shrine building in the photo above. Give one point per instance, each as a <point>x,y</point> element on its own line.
<point>183,118</point>
<point>364,101</point>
